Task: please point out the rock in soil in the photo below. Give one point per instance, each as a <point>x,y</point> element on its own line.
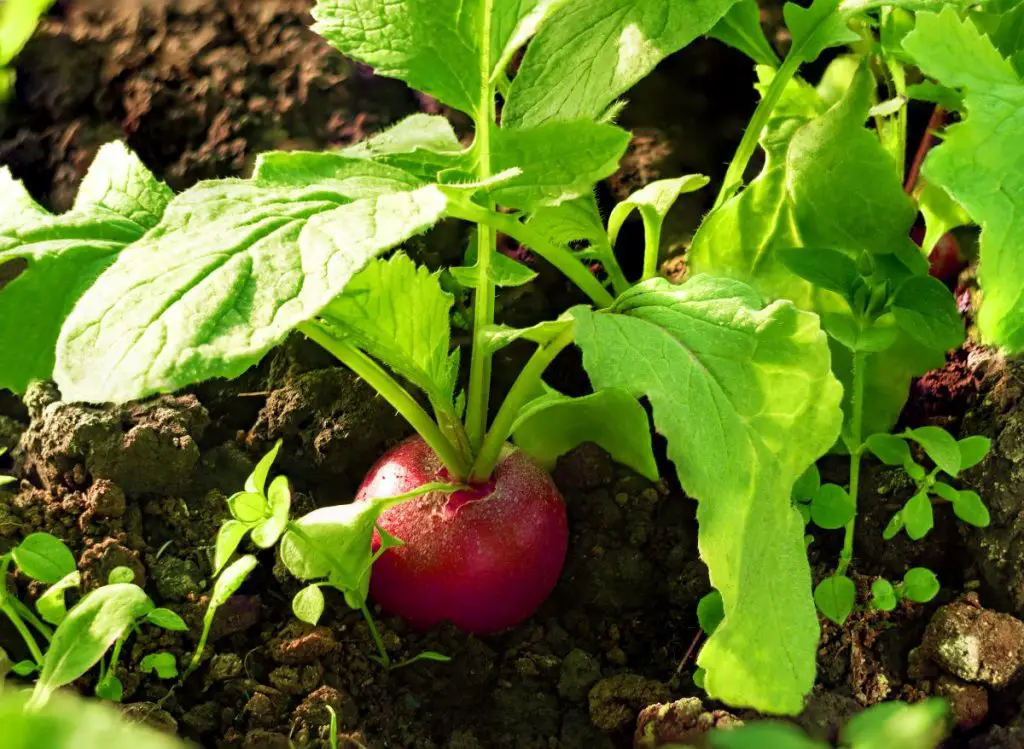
<point>678,723</point>
<point>616,701</point>
<point>975,644</point>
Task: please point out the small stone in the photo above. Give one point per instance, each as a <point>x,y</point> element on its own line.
<point>678,723</point>
<point>616,701</point>
<point>580,671</point>
<point>301,643</point>
<point>224,666</point>
<point>975,644</point>
<point>967,702</point>
<point>266,708</point>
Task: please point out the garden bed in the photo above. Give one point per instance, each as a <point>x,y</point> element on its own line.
<point>198,88</point>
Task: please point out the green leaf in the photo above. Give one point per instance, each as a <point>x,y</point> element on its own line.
<point>941,214</point>
<point>560,161</point>
<point>740,28</point>
<point>166,619</point>
<point>350,176</point>
<point>891,449</point>
<point>918,516</point>
<point>423,145</point>
<point>836,597</point>
<point>232,268</point>
<point>24,668</point>
<point>827,183</point>
<point>922,725</point>
<point>93,625</point>
<point>745,397</point>
<point>831,270</point>
<point>940,445</point>
<point>588,54</point>
<point>110,688</point>
<point>308,604</point>
<point>817,28</point>
<point>119,200</point>
<point>832,507</point>
<point>164,665</point>
<point>883,595</point>
<point>248,507</point>
<point>894,526</point>
<point>945,491</point>
<point>926,310</point>
<point>446,48</point>
<point>807,485</point>
<point>428,655</point>
<point>51,605</point>
<point>279,496</point>
<point>44,558</point>
<point>969,508</point>
<point>256,483</point>
<point>398,313</point>
<point>71,722</point>
<point>1002,21</point>
<point>229,537</point>
<point>920,585</point>
<point>763,734</point>
<point>710,611</point>
<point>653,202</point>
<point>503,272</point>
<point>229,581</point>
<point>553,424</point>
<point>121,575</point>
<point>975,156</point>
<point>973,450</point>
<point>18,20</point>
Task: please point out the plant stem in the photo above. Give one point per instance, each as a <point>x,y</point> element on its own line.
<point>856,448</point>
<point>389,389</point>
<point>651,248</point>
<point>478,392</point>
<point>524,388</point>
<point>936,121</point>
<point>26,635</point>
<point>570,266</point>
<point>26,613</point>
<point>384,657</point>
<point>748,145</point>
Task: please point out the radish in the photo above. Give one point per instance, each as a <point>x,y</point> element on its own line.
<point>484,558</point>
<point>945,260</point>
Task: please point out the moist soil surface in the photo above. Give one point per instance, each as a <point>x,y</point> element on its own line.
<point>198,88</point>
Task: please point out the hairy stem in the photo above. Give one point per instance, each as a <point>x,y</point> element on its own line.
<point>856,449</point>
<point>748,145</point>
<point>478,393</point>
<point>524,388</point>
<point>389,389</point>
<point>570,266</point>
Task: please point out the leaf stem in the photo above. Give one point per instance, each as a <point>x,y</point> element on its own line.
<point>26,635</point>
<point>28,616</point>
<point>652,245</point>
<point>748,145</point>
<point>385,659</point>
<point>935,123</point>
<point>389,389</point>
<point>570,266</point>
<point>856,449</point>
<point>522,391</point>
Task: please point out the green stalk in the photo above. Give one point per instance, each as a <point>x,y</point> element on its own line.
<point>570,266</point>
<point>478,393</point>
<point>651,248</point>
<point>389,389</point>
<point>748,145</point>
<point>26,635</point>
<point>856,449</point>
<point>524,388</point>
<point>26,613</point>
<point>385,659</point>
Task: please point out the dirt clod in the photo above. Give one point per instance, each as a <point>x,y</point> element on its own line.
<point>580,670</point>
<point>616,701</point>
<point>967,702</point>
<point>313,710</point>
<point>301,643</point>
<point>679,722</point>
<point>975,644</point>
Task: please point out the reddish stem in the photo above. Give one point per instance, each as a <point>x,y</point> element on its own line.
<point>691,650</point>
<point>938,119</point>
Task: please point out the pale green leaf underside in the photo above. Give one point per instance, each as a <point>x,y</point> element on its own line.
<point>398,313</point>
<point>827,182</point>
<point>560,161</point>
<point>553,424</point>
<point>423,145</point>
<point>981,160</point>
<point>118,201</point>
<point>590,53</point>
<point>745,396</point>
<point>446,48</point>
<point>233,267</point>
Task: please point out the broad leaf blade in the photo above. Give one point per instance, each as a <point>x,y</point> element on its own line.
<point>423,145</point>
<point>588,54</point>
<point>740,28</point>
<point>746,399</point>
<point>980,158</point>
<point>233,267</point>
<point>118,202</point>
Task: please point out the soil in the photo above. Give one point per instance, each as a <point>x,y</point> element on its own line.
<point>198,88</point>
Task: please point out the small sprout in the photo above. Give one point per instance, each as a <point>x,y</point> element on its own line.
<point>920,585</point>
<point>228,582</point>
<point>110,688</point>
<point>121,575</point>
<point>832,507</point>
<point>883,595</point>
<point>164,665</point>
<point>166,619</point>
<point>836,597</point>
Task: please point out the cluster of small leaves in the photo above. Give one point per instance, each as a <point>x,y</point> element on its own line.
<point>828,506</point>
<point>836,595</point>
<point>950,457</point>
